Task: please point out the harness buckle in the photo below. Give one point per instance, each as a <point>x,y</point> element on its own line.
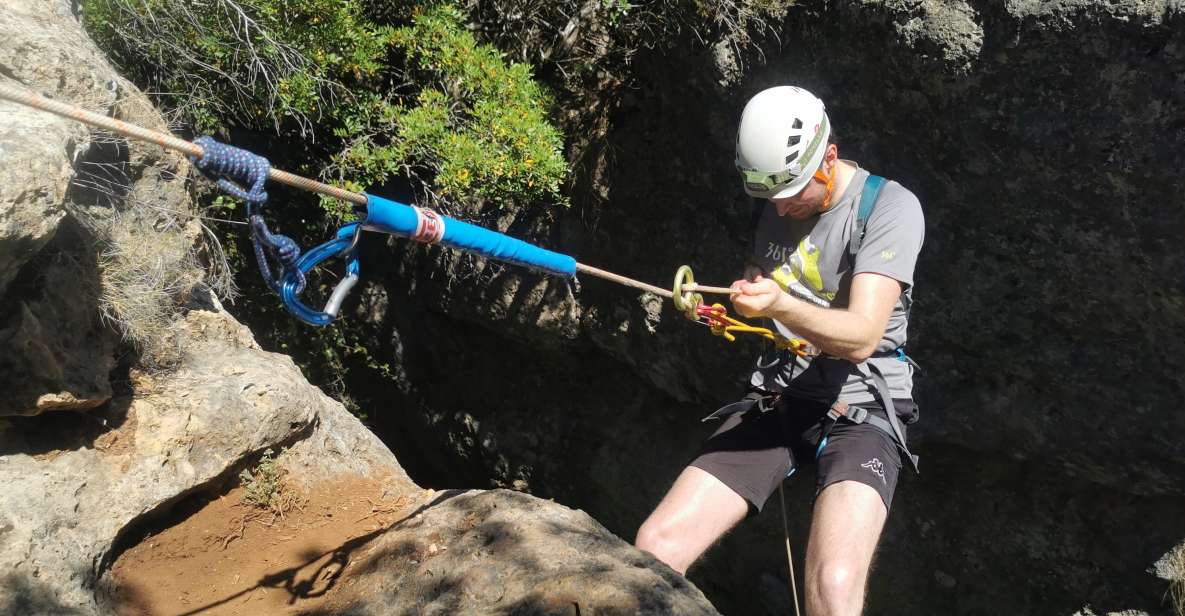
<point>854,414</point>
<point>752,400</point>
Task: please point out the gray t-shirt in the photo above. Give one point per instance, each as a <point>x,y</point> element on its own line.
<point>812,256</point>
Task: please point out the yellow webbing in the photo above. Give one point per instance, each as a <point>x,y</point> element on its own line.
<point>723,325</point>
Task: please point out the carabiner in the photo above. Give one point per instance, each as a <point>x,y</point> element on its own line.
<point>345,243</point>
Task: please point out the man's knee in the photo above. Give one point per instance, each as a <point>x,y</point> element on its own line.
<point>656,536</point>
<point>837,579</point>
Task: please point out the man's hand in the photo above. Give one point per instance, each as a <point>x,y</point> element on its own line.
<point>759,298</point>
<point>851,333</point>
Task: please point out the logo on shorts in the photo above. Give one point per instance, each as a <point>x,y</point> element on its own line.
<point>877,468</point>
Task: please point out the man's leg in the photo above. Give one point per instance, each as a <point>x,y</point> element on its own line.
<point>696,512</point>
<point>735,472</point>
<point>858,471</point>
<point>845,528</point>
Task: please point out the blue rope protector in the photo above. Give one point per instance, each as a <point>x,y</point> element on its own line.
<point>228,164</point>
<point>400,219</point>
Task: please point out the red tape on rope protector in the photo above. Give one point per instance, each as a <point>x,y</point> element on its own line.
<point>429,226</point>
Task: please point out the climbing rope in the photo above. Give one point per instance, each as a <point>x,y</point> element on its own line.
<point>243,175</point>
<point>789,552</point>
<point>30,99</point>
<point>225,163</point>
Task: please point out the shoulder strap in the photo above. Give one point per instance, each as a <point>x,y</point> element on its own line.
<point>872,190</point>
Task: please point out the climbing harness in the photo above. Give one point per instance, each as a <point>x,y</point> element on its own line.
<point>872,189</point>
<point>839,411</point>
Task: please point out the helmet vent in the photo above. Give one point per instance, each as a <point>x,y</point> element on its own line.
<point>790,158</point>
<point>797,124</point>
<point>793,140</point>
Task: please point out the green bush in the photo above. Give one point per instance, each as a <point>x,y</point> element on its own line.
<point>458,117</point>
<point>478,125</point>
<point>353,101</point>
<point>263,487</point>
<point>253,63</point>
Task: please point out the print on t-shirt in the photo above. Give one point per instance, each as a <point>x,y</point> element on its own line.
<point>799,275</point>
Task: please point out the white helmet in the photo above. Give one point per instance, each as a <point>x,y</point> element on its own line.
<point>781,141</point>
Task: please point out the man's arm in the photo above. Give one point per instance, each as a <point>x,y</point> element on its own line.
<point>851,333</point>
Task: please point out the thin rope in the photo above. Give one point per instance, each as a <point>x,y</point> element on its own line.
<point>697,288</point>
<point>31,99</point>
<point>619,279</point>
<point>789,554</point>
<point>637,284</point>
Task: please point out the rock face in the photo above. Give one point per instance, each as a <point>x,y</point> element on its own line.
<point>133,442</point>
<point>37,150</point>
<point>57,352</point>
<point>1044,141</point>
<point>502,552</point>
<point>76,484</point>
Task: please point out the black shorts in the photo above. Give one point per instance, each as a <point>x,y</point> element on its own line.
<point>754,451</point>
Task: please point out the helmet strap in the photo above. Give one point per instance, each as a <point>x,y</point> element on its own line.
<point>829,180</point>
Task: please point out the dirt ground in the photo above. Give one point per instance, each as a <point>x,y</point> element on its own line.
<point>231,558</point>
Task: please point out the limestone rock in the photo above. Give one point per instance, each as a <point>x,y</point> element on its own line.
<point>56,352</point>
<point>74,486</point>
<point>43,48</point>
<point>35,154</point>
<point>483,552</point>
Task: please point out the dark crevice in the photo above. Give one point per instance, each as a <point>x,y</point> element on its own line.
<point>27,284</point>
<point>101,177</point>
<point>51,327</point>
<point>53,432</point>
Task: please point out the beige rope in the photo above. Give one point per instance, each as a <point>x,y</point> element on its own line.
<point>706,289</point>
<point>630,282</point>
<point>26,97</point>
<point>789,556</point>
<point>619,279</point>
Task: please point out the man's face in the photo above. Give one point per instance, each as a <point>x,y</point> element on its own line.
<point>805,204</point>
<point>809,201</point>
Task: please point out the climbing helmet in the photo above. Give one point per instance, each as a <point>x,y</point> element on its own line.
<point>781,141</point>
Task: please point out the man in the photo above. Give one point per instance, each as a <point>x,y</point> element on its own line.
<point>842,407</point>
